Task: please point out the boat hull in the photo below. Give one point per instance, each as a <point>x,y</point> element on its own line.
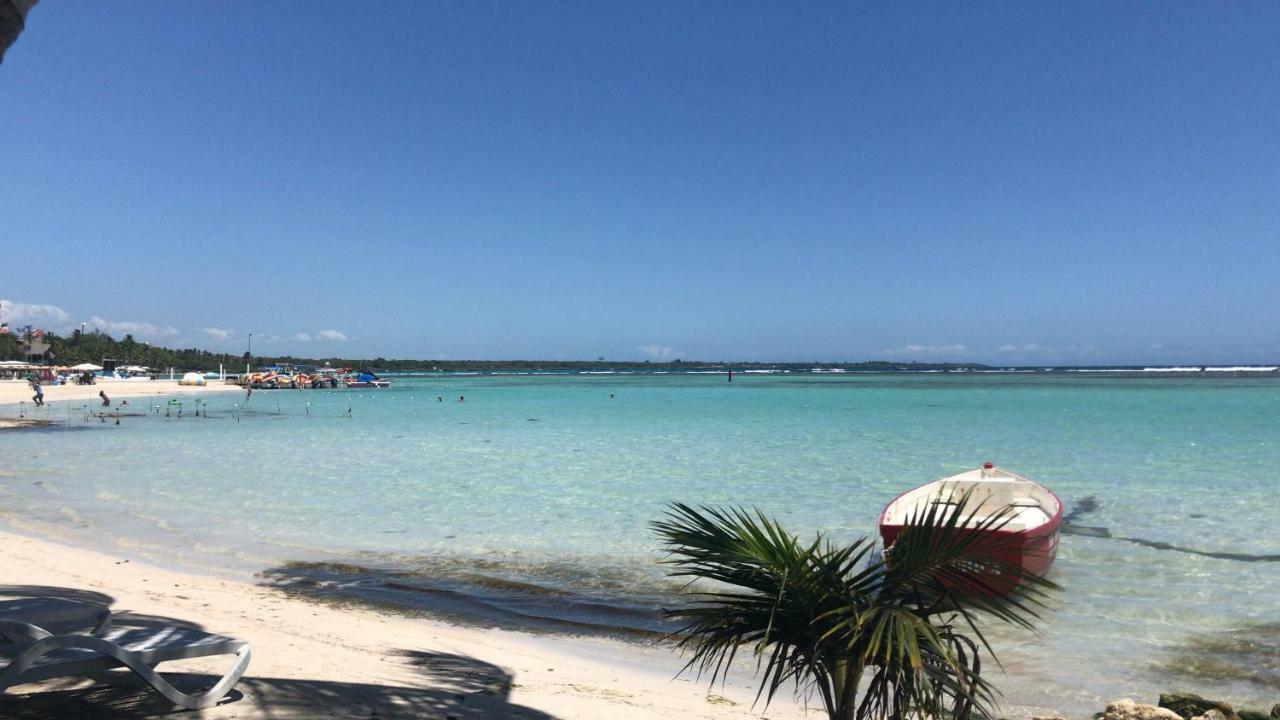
<point>1032,549</point>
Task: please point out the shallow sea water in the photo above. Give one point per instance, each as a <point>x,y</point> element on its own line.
<point>529,502</point>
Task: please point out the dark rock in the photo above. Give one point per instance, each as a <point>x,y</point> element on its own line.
<point>1252,715</point>
<point>1275,710</point>
<point>1189,705</point>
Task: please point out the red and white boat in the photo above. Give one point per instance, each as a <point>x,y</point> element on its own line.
<point>1029,539</point>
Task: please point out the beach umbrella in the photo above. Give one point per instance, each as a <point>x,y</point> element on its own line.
<point>86,366</point>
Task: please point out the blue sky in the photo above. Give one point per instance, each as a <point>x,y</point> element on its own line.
<point>1017,183</point>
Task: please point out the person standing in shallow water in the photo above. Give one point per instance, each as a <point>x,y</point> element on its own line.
<point>106,401</point>
<point>38,398</point>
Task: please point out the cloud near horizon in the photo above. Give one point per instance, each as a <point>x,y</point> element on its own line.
<point>934,350</point>
<point>16,313</point>
<point>661,353</point>
<point>1028,348</point>
<point>1046,350</point>
<point>219,334</point>
<point>132,327</point>
<point>330,335</point>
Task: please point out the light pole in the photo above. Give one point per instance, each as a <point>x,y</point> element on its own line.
<point>246,365</point>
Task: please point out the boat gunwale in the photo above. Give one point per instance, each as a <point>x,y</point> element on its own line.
<point>1045,529</point>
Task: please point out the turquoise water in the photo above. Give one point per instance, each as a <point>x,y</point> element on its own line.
<point>530,500</point>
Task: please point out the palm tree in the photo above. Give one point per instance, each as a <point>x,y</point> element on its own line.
<point>876,636</point>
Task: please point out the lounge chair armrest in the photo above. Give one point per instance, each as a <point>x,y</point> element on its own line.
<point>104,622</point>
<point>17,632</point>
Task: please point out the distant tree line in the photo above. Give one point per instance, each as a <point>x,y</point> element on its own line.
<point>96,346</point>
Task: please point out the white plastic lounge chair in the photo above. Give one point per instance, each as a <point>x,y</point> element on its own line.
<point>56,615</point>
<point>33,654</point>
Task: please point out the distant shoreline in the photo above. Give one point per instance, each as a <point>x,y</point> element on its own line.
<point>97,347</point>
<point>808,369</point>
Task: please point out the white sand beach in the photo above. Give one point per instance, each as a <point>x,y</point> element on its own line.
<point>316,661</point>
<point>16,391</point>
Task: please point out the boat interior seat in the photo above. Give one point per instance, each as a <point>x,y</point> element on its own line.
<point>1028,516</point>
<point>986,492</point>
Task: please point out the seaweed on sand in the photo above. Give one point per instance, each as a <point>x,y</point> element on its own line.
<point>1250,653</point>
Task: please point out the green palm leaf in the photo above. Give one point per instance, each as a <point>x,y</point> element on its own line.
<point>843,621</point>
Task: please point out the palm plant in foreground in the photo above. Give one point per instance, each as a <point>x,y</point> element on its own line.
<point>875,635</point>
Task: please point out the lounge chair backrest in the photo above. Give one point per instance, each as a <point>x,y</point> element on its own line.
<point>52,614</point>
<point>19,633</point>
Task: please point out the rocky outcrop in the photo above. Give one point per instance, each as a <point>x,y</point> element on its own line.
<point>1190,706</point>
<point>1127,709</point>
<point>1275,710</point>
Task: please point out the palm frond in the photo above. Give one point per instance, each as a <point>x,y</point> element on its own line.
<point>824,618</point>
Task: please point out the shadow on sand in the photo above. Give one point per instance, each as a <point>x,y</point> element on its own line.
<point>452,686</point>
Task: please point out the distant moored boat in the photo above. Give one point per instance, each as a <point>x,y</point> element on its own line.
<point>366,379</point>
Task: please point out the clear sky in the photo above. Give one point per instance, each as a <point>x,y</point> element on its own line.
<point>1021,183</point>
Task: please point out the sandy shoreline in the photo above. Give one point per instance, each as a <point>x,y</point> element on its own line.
<point>18,391</point>
<point>316,660</point>
<point>15,396</point>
